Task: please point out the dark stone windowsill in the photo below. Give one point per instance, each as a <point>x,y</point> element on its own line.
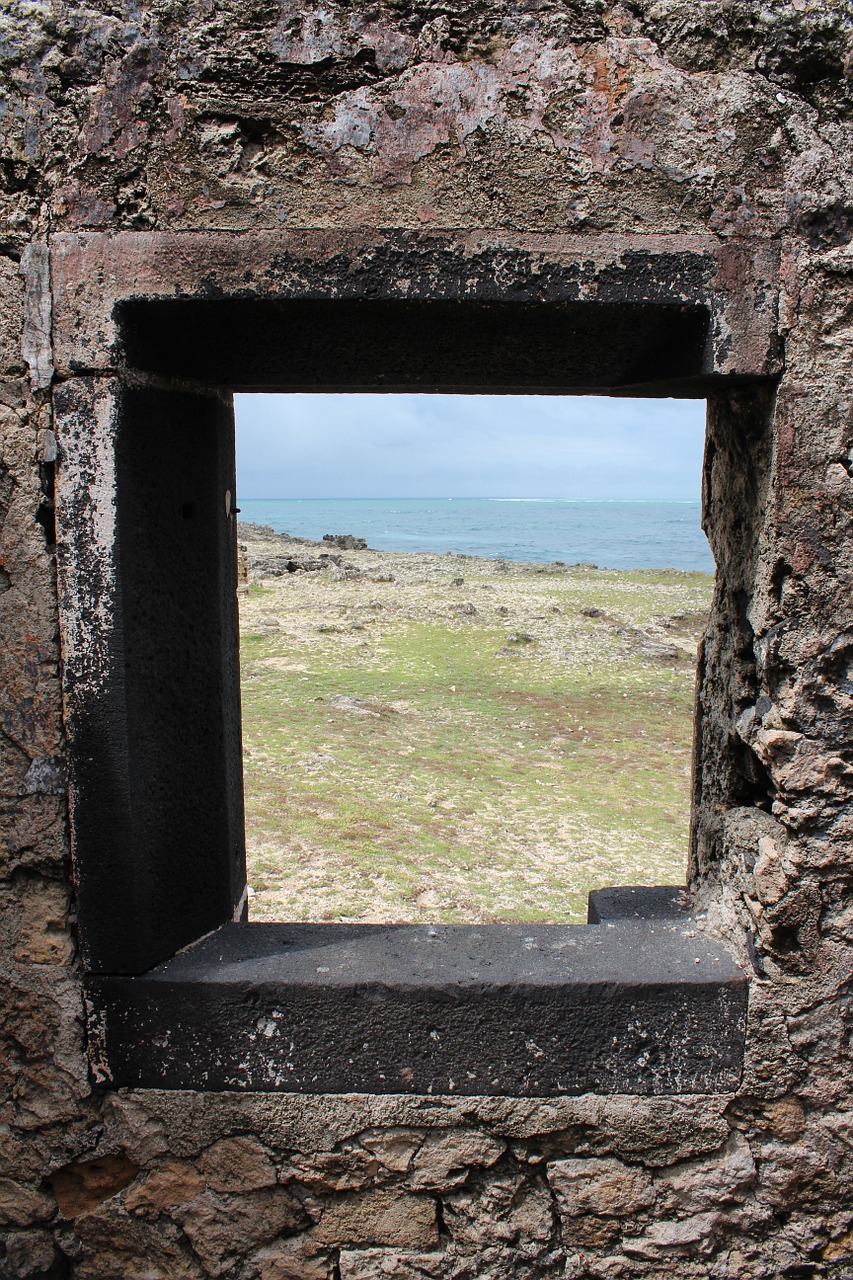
<point>633,1005</point>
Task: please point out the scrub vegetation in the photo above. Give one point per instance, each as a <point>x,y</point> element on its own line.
<point>450,739</point>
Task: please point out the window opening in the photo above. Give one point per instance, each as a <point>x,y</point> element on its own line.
<point>180,991</point>
<point>468,674</point>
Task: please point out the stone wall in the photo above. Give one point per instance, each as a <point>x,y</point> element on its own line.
<point>667,117</point>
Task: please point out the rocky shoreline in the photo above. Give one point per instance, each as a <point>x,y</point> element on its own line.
<point>269,555</point>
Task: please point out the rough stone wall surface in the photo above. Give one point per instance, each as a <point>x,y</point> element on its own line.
<point>728,117</point>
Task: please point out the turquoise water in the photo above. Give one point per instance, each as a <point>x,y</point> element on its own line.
<point>612,535</point>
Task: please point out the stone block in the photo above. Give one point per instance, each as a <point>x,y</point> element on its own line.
<point>140,1134</point>
<point>688,1237</point>
<point>771,881</point>
<point>11,319</point>
<point>116,1247</point>
<point>237,1164</point>
<point>296,1259</point>
<point>839,1248</point>
<point>387,1264</point>
<point>23,1206</point>
<point>643,1007</point>
<point>696,1186</point>
<point>170,1185</point>
<point>502,1209</point>
<point>28,1253</point>
<point>805,1172</point>
<point>379,1218</point>
<point>394,1148</point>
<point>783,1117</point>
<point>600,1187</point>
<point>222,1229</point>
<point>588,1232</point>
<point>43,933</point>
<point>347,1170</point>
<point>444,1160</point>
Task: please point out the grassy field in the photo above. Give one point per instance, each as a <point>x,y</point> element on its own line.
<point>422,748</point>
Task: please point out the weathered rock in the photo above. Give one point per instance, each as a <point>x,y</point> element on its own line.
<point>27,1254</point>
<point>657,652</point>
<point>21,1205</point>
<point>690,1237</point>
<point>600,1187</point>
<point>224,1228</point>
<point>393,1148</point>
<point>295,1259</point>
<point>278,566</point>
<point>444,1160</point>
<point>169,1186</point>
<point>115,1246</point>
<point>387,1264</point>
<point>381,1218</point>
<point>237,1164</point>
<point>345,541</point>
<point>347,1170</point>
<point>695,1186</point>
<point>770,879</point>
<point>504,1209</point>
<point>43,933</point>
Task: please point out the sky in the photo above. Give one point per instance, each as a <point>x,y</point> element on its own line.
<point>426,446</point>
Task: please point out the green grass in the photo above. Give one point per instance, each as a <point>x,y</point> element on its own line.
<point>407,769</point>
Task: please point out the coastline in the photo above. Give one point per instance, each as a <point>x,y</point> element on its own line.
<point>266,543</point>
<point>616,534</point>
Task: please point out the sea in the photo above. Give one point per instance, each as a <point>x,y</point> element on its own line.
<point>611,535</point>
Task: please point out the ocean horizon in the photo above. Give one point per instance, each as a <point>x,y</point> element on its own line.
<point>610,533</point>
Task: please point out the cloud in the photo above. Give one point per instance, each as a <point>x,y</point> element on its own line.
<point>347,446</point>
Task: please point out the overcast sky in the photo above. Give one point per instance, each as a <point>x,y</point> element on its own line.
<point>426,446</point>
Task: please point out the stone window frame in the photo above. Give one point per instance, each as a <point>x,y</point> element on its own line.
<point>151,333</point>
